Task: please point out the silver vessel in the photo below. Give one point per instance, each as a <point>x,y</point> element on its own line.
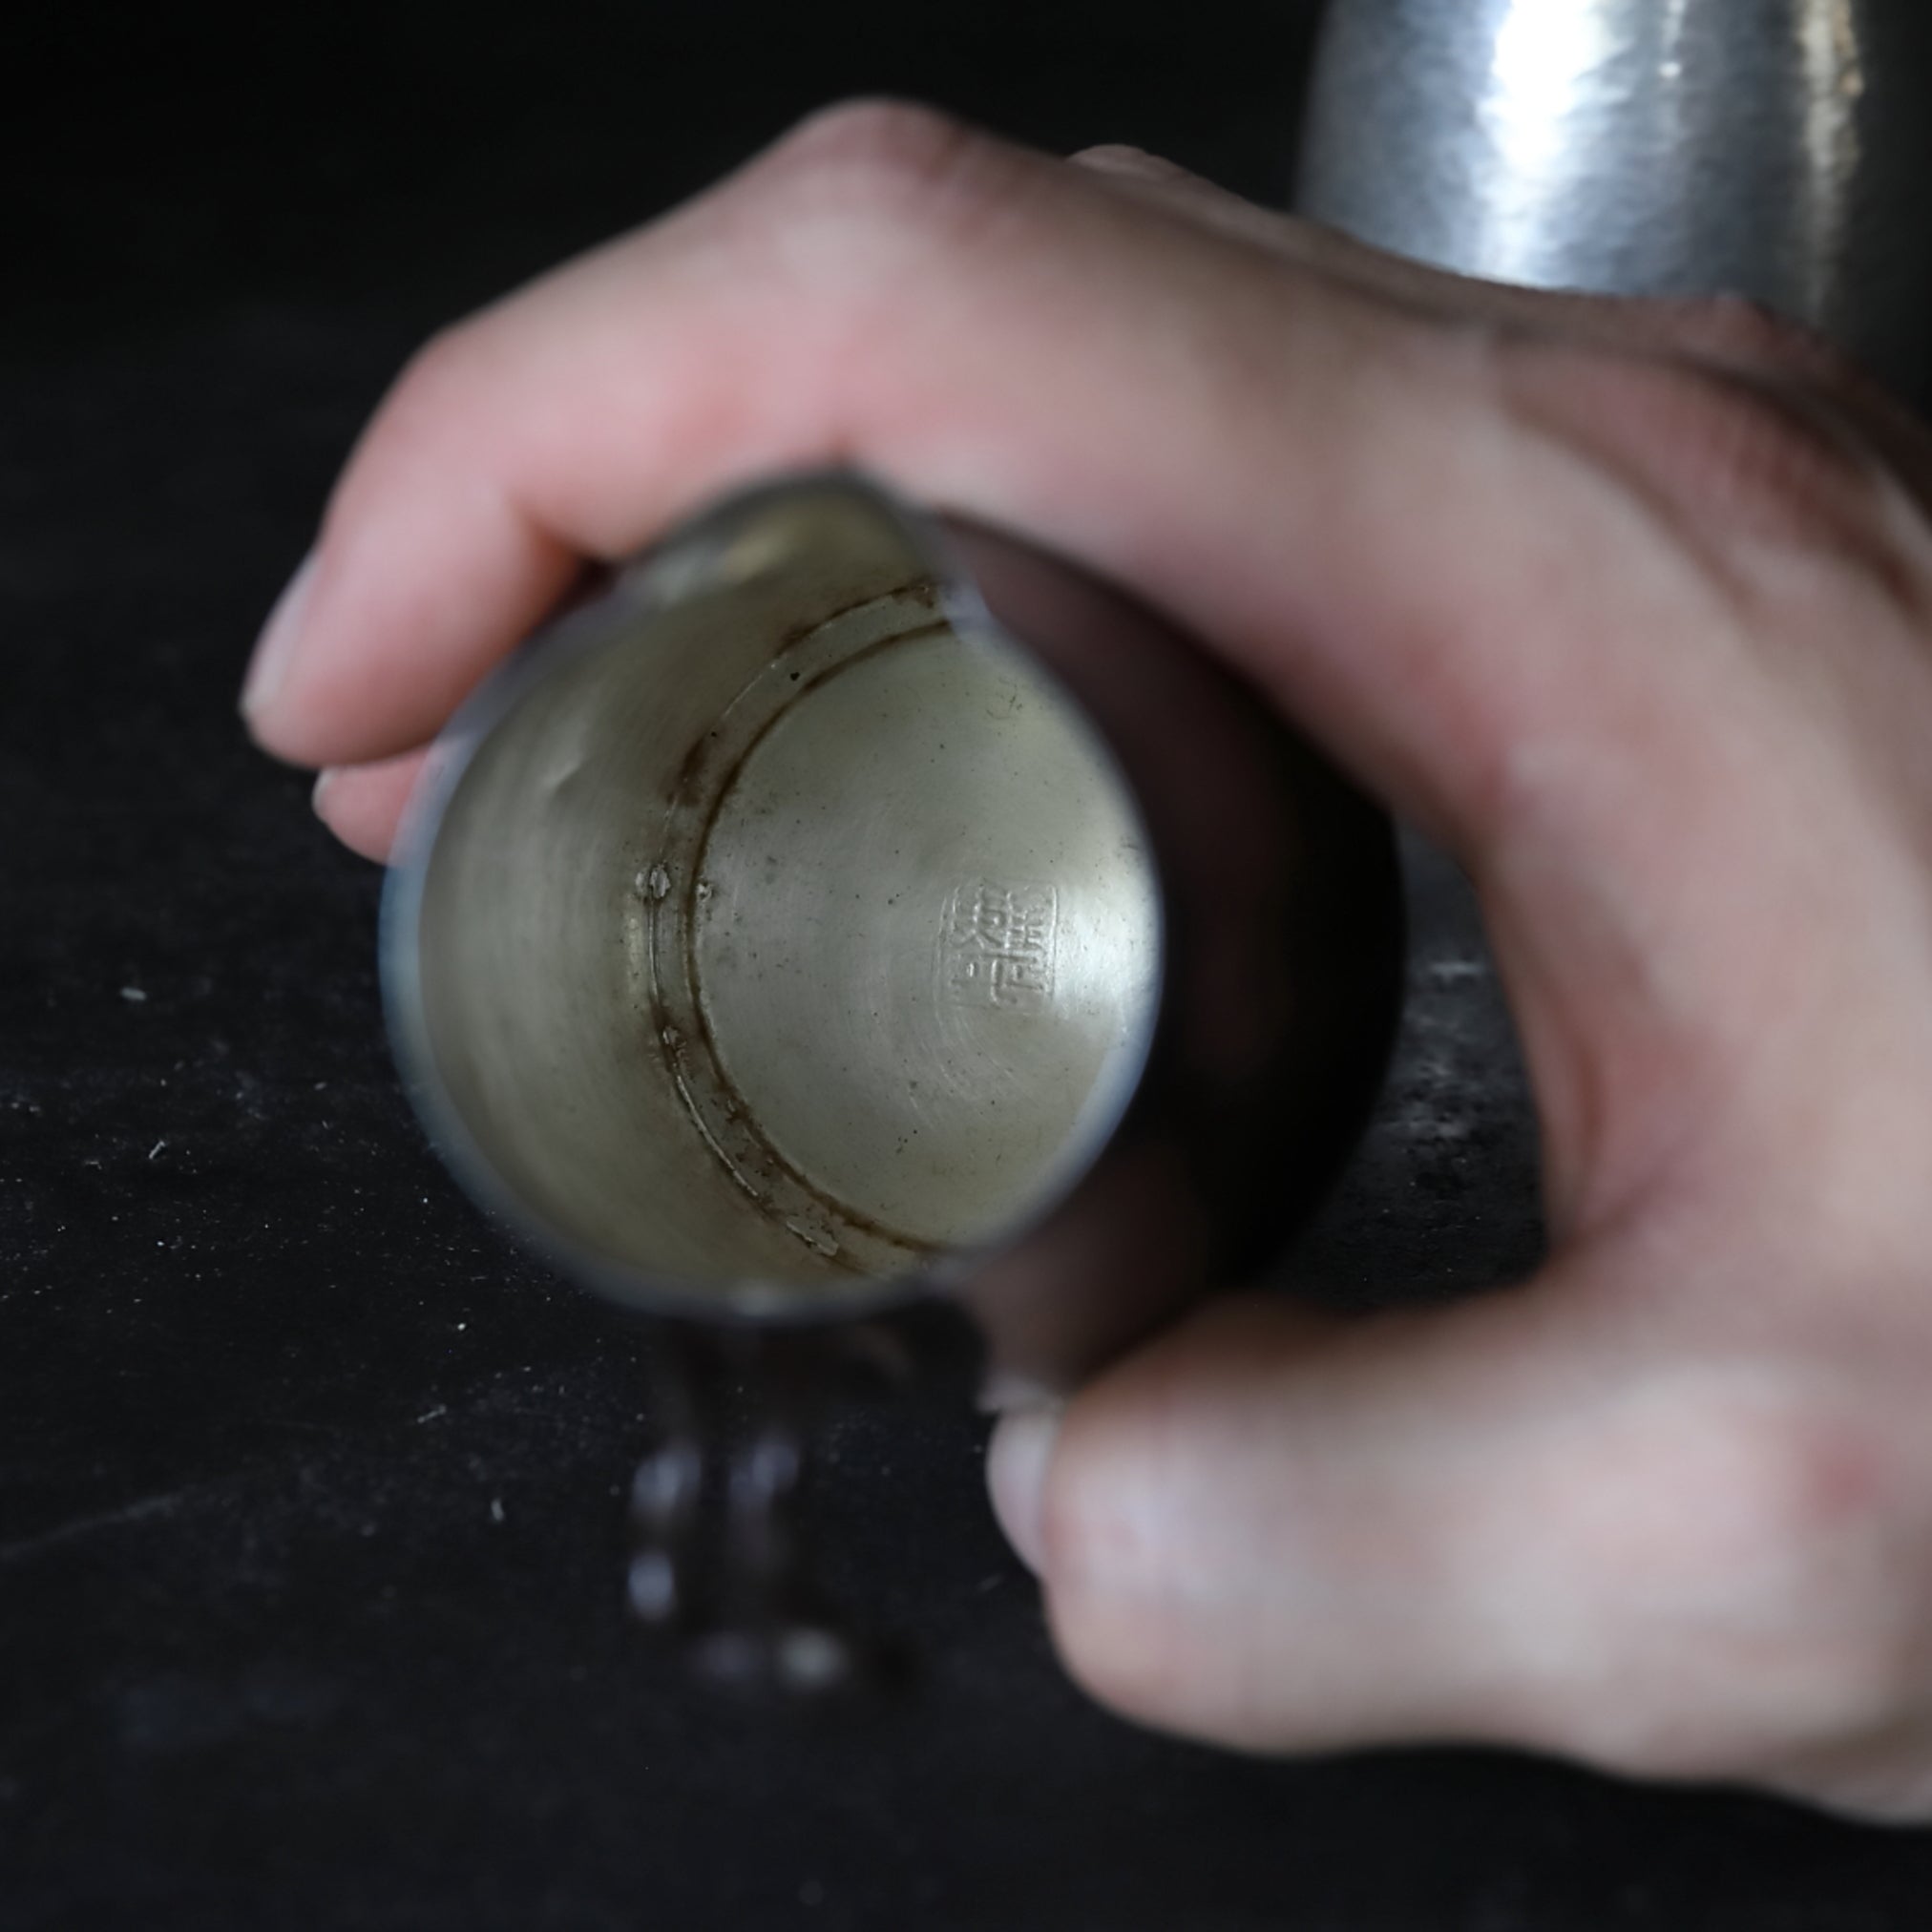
<point>843,910</point>
<point>1777,149</point>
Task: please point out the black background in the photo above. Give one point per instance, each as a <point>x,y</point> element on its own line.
<point>310,1515</point>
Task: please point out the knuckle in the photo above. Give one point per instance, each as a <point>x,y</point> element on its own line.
<point>1759,1559</point>
<point>1770,1487</point>
<point>1745,463</point>
<point>433,386</point>
<point>875,170</point>
<point>1123,158</point>
<point>873,130</point>
<point>1750,335</point>
<point>439,368</point>
<point>432,395</point>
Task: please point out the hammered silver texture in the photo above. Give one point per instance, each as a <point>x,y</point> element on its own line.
<point>1775,149</point>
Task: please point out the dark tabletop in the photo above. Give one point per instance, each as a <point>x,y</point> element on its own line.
<point>311,1517</point>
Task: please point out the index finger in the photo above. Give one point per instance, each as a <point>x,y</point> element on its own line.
<point>1320,484</point>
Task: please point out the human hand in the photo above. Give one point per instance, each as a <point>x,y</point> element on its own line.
<point>1625,603</point>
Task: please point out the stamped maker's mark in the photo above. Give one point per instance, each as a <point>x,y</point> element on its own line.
<point>996,946</point>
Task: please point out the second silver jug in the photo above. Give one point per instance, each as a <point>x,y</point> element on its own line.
<point>1775,149</point>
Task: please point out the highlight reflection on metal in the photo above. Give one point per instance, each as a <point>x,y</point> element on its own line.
<point>1779,149</point>
<point>777,939</point>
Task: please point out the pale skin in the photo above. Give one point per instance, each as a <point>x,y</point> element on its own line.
<point>1628,605</point>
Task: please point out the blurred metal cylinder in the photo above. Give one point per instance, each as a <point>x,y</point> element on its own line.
<point>1777,149</point>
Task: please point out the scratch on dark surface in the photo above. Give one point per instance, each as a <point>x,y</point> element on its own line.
<point>81,1527</point>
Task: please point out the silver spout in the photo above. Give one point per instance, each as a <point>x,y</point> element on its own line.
<point>1777,149</point>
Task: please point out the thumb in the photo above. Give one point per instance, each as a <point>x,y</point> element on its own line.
<point>1513,1521</point>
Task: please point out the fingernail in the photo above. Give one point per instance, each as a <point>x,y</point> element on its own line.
<point>324,780</point>
<point>276,645</point>
<point>1016,1475</point>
